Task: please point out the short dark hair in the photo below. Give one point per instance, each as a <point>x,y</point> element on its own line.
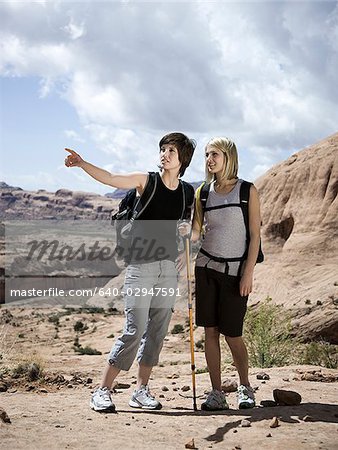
<point>185,148</point>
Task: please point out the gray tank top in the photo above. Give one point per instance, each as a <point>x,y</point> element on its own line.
<point>225,233</point>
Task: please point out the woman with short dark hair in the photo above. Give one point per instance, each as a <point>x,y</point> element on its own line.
<point>147,315</point>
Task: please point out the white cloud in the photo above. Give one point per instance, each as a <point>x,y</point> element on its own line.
<point>75,30</point>
<point>72,134</point>
<point>261,73</point>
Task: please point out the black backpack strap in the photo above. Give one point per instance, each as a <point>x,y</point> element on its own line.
<point>204,194</point>
<point>188,200</point>
<point>244,196</point>
<point>146,196</point>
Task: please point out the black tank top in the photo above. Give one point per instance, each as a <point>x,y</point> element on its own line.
<point>166,204</point>
<point>155,230</point>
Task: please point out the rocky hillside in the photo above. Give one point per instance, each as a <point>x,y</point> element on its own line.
<point>299,213</point>
<point>299,199</point>
<point>16,203</point>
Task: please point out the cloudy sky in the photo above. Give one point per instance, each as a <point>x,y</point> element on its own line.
<point>110,78</point>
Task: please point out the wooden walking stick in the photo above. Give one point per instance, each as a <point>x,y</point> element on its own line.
<point>191,329</point>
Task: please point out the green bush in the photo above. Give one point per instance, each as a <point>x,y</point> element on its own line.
<point>267,337</point>
<point>87,351</point>
<point>32,371</point>
<point>321,353</point>
<point>178,328</point>
<point>79,326</point>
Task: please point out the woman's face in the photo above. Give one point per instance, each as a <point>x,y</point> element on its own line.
<point>169,157</point>
<point>215,159</point>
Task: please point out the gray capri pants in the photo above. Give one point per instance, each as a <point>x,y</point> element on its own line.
<point>147,316</point>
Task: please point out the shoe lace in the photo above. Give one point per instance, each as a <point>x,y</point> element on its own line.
<point>104,393</point>
<point>245,391</point>
<point>147,392</point>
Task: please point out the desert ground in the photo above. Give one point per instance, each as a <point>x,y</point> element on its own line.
<point>53,411</point>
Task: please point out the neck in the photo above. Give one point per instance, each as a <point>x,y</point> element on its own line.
<point>221,182</point>
<point>170,178</point>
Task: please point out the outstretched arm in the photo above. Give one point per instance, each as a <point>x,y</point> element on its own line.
<point>123,181</point>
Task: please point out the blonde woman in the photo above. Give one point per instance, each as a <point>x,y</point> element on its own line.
<point>225,265</point>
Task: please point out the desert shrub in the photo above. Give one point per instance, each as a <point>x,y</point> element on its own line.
<point>76,342</point>
<point>7,350</point>
<point>199,345</point>
<point>55,319</point>
<point>267,329</point>
<point>178,328</point>
<point>320,353</point>
<point>87,351</point>
<point>93,310</point>
<point>79,326</point>
<point>32,371</point>
<point>202,370</point>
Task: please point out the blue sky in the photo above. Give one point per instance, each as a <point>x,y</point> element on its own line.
<point>110,78</point>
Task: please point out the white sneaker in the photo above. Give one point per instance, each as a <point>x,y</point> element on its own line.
<point>101,400</point>
<point>246,397</point>
<point>143,399</point>
<point>215,401</point>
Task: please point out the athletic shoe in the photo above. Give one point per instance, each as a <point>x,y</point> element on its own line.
<point>101,400</point>
<point>215,401</point>
<point>143,399</point>
<point>246,397</point>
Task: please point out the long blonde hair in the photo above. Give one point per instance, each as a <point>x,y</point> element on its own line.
<point>228,148</point>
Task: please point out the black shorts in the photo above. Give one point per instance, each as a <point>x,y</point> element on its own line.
<point>218,302</point>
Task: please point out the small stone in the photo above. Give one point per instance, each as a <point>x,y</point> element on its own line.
<point>70,386</point>
<point>308,418</point>
<point>274,422</point>
<point>245,423</point>
<point>185,388</point>
<point>128,424</point>
<point>173,376</point>
<point>190,444</point>
<point>269,435</point>
<point>165,389</point>
<point>175,389</point>
<point>286,379</point>
<point>43,391</point>
<point>262,376</point>
<point>3,387</point>
<point>235,431</point>
<point>286,398</point>
<point>229,385</point>
<point>89,380</point>
<point>4,416</point>
<point>268,403</point>
<point>161,396</point>
<point>121,386</point>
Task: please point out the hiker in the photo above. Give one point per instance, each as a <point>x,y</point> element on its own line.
<point>224,266</point>
<point>147,315</point>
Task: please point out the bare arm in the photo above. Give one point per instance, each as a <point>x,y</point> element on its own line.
<point>254,229</point>
<point>123,181</point>
<point>196,225</point>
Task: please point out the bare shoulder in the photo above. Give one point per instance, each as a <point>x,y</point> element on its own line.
<point>253,190</point>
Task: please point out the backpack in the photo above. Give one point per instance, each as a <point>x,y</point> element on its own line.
<point>132,206</point>
<point>244,195</point>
